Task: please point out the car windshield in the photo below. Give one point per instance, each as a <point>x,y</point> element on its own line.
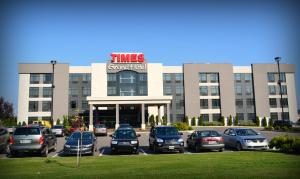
<point>125,134</point>
<point>57,127</point>
<point>245,132</point>
<point>208,134</point>
<point>85,136</point>
<point>27,131</point>
<point>166,131</point>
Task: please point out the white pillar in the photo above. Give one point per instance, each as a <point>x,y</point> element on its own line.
<point>260,120</point>
<point>117,116</point>
<point>168,113</point>
<point>91,126</point>
<point>143,126</point>
<point>190,122</point>
<point>159,115</point>
<point>225,121</point>
<point>268,119</point>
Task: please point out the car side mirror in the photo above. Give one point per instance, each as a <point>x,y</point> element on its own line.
<point>138,135</point>
<point>180,133</point>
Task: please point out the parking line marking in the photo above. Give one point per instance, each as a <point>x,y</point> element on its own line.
<point>143,151</point>
<point>101,153</point>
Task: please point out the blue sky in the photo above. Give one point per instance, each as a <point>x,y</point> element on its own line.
<point>170,32</point>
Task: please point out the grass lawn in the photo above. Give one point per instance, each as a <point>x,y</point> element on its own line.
<point>204,165</point>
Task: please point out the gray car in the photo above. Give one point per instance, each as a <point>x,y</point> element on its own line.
<point>32,139</point>
<point>244,138</point>
<point>59,130</point>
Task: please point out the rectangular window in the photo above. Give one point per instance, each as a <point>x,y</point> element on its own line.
<point>285,103</point>
<point>127,91</point>
<point>239,103</point>
<point>86,92</point>
<point>216,117</point>
<point>203,90</point>
<point>47,92</point>
<point>282,77</point>
<point>142,90</point>
<point>74,92</point>
<point>283,89</point>
<point>214,77</point>
<point>111,90</point>
<point>46,106</point>
<point>33,92</point>
<point>34,78</point>
<point>205,117</point>
<point>86,77</point>
<point>127,77</point>
<point>111,77</point>
<point>47,78</point>
<point>167,77</point>
<point>238,77</point>
<point>32,119</point>
<point>240,116</point>
<point>273,102</point>
<point>248,89</point>
<point>272,89</point>
<point>74,77</point>
<point>238,89</point>
<point>251,116</point>
<point>274,115</point>
<point>167,90</point>
<point>203,77</point>
<point>214,90</point>
<point>204,103</point>
<point>73,104</point>
<point>250,102</point>
<point>178,77</point>
<point>142,77</point>
<point>286,115</point>
<point>179,90</point>
<point>248,77</point>
<point>178,104</point>
<point>33,106</point>
<point>85,105</point>
<point>215,103</point>
<point>271,77</point>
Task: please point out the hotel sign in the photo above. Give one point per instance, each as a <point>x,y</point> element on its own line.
<point>126,61</point>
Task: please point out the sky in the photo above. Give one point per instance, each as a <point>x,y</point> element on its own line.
<point>169,32</point>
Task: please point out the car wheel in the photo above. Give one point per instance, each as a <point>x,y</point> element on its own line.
<point>197,148</point>
<point>181,150</point>
<point>238,146</point>
<point>13,153</point>
<point>150,146</point>
<point>154,148</point>
<point>112,152</point>
<point>45,152</point>
<point>221,150</point>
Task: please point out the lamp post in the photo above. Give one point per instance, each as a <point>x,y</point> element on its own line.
<point>53,62</point>
<point>277,59</point>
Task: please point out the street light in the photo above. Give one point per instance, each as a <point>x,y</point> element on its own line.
<point>53,62</point>
<point>277,59</point>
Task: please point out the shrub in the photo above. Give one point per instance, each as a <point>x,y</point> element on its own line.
<point>286,144</point>
<point>151,120</point>
<point>200,120</point>
<point>193,122</point>
<point>269,128</point>
<point>57,122</point>
<point>23,123</point>
<point>246,123</point>
<point>222,120</point>
<point>257,121</point>
<point>214,123</point>
<point>164,119</point>
<point>65,121</point>
<point>236,121</point>
<point>182,126</point>
<point>185,120</point>
<point>229,121</point>
<point>156,119</point>
<point>264,122</point>
<point>271,121</point>
<point>19,124</point>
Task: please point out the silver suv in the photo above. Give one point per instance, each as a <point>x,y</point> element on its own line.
<point>32,139</point>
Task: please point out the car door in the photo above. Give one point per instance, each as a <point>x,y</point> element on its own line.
<point>232,138</point>
<point>188,140</point>
<point>193,139</point>
<point>48,137</point>
<point>226,137</point>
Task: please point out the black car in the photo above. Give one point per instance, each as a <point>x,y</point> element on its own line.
<point>165,138</point>
<point>125,140</point>
<point>282,123</point>
<point>86,146</point>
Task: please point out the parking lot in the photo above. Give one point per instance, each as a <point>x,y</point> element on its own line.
<point>103,142</point>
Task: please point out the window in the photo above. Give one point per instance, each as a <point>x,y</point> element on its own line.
<point>282,77</point>
<point>239,103</point>
<point>74,92</point>
<point>47,78</point>
<point>204,103</point>
<point>74,77</point>
<point>33,92</point>
<point>274,116</point>
<point>203,77</point>
<point>214,90</point>
<point>215,103</point>
<point>248,77</point>
<point>142,77</point>
<point>85,105</point>
<point>285,103</point>
<point>127,91</point>
<point>47,92</point>
<point>31,119</point>
<point>143,90</point>
<point>167,77</point>
<point>46,106</point>
<point>240,116</point>
<point>251,116</point>
<point>167,90</point>
<point>248,89</point>
<point>203,90</point>
<point>86,92</point>
<point>286,115</point>
<point>127,77</point>
<point>179,104</point>
<point>250,102</point>
<point>111,77</point>
<point>178,77</point>
<point>238,77</point>
<point>216,117</point>
<point>34,78</point>
<point>73,104</point>
<point>214,77</point>
<point>238,89</point>
<point>179,90</point>
<point>272,89</point>
<point>86,77</point>
<point>33,106</point>
<point>205,117</point>
<point>283,89</point>
<point>273,102</point>
<point>111,90</point>
<point>271,77</point>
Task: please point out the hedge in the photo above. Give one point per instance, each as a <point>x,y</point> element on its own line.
<point>286,144</point>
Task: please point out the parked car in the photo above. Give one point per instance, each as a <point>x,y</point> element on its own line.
<point>59,130</point>
<point>4,140</point>
<point>283,123</point>
<point>165,138</point>
<point>32,139</point>
<point>11,129</point>
<point>244,138</point>
<point>88,144</point>
<point>125,125</point>
<point>207,139</point>
<point>124,140</point>
<point>100,129</point>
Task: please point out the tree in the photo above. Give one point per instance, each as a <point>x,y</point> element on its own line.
<point>193,121</point>
<point>230,121</point>
<point>271,121</point>
<point>222,120</point>
<point>257,121</point>
<point>151,119</point>
<point>66,121</point>
<point>201,122</point>
<point>6,109</point>
<point>57,122</point>
<point>264,122</point>
<point>164,119</point>
<point>156,119</point>
<point>23,123</point>
<point>236,121</point>
<point>185,120</point>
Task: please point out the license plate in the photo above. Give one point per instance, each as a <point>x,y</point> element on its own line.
<point>25,141</point>
<point>171,147</point>
<point>124,143</point>
<point>212,142</point>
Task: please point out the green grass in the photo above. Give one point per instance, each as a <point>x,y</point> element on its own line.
<point>205,165</point>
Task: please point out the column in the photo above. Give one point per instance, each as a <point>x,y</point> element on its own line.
<point>143,126</point>
<point>91,126</point>
<point>117,116</point>
<point>159,115</point>
<point>168,113</point>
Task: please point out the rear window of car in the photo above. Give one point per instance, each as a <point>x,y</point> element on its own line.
<point>57,127</point>
<point>27,131</point>
<point>125,134</point>
<point>208,134</point>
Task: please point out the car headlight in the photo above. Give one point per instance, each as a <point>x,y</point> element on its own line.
<point>159,140</point>
<point>248,141</point>
<point>114,142</point>
<point>67,146</point>
<point>134,142</point>
<point>180,140</point>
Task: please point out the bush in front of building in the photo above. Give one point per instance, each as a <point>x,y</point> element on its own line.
<point>236,121</point>
<point>287,144</point>
<point>264,122</point>
<point>200,120</point>
<point>182,126</point>
<point>229,123</point>
<point>246,123</point>
<point>164,119</point>
<point>214,123</point>
<point>257,121</point>
<point>222,120</point>
<point>271,122</point>
<point>156,120</point>
<point>193,122</point>
<point>151,120</point>
<point>185,120</point>
<point>57,122</point>
<point>23,123</point>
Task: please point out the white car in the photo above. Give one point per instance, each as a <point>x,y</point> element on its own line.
<point>100,129</point>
